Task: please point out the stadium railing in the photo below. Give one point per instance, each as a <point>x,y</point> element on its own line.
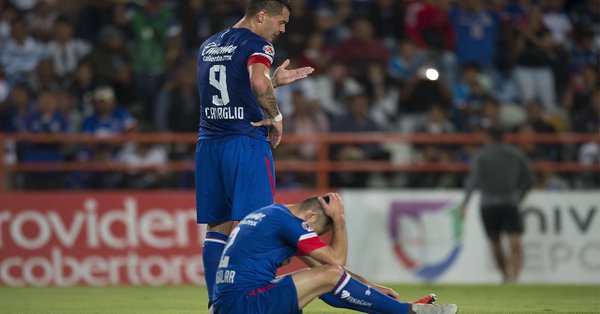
<point>322,165</point>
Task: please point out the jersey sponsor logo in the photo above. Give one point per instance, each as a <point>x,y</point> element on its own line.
<point>253,219</point>
<point>306,226</point>
<point>212,52</point>
<point>346,296</point>
<point>268,49</point>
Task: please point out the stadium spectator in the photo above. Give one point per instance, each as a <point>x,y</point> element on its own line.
<point>357,120</point>
<point>66,52</point>
<point>586,14</point>
<point>150,25</point>
<point>44,118</point>
<point>108,119</point>
<point>144,155</point>
<point>476,30</point>
<point>469,93</point>
<point>112,65</point>
<point>388,18</point>
<point>503,176</point>
<point>533,52</point>
<point>417,91</point>
<point>557,21</point>
<point>41,20</point>
<point>583,51</point>
<point>406,61</point>
<point>331,18</point>
<point>579,93</point>
<point>7,15</point>
<point>335,87</point>
<point>362,48</point>
<point>587,119</point>
<point>15,109</point>
<point>92,18</point>
<point>194,18</point>
<point>176,105</point>
<point>44,76</point>
<point>302,26</point>
<point>82,86</point>
<point>20,53</point>
<point>383,93</point>
<point>315,53</point>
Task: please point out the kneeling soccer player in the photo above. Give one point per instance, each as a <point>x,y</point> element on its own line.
<point>246,279</point>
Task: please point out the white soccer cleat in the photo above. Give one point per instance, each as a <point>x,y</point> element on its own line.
<point>434,308</point>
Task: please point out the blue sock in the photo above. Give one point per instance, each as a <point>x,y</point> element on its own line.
<point>212,249</point>
<point>352,294</point>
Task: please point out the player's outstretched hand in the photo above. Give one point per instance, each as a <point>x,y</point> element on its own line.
<point>335,207</point>
<point>275,130</point>
<point>387,291</point>
<point>283,76</point>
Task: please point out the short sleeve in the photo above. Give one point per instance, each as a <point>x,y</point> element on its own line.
<point>299,235</point>
<point>260,51</point>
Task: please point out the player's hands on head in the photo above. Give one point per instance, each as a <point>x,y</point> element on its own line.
<point>335,207</point>
<point>283,76</point>
<point>275,130</point>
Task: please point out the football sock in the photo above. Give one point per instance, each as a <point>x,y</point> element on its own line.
<point>212,249</point>
<point>352,294</point>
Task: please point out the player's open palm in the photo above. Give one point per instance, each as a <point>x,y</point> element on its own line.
<point>283,76</point>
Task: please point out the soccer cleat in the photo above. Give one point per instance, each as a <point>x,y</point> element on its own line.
<point>429,299</point>
<point>434,308</point>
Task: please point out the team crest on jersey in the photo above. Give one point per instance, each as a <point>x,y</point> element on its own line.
<point>268,49</point>
<point>306,226</point>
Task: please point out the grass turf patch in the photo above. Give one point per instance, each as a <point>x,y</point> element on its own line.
<point>192,299</point>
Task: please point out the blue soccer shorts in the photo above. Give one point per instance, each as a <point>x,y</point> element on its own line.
<point>279,297</point>
<point>234,176</point>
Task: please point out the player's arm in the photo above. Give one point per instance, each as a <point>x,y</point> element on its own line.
<point>263,90</point>
<point>337,251</point>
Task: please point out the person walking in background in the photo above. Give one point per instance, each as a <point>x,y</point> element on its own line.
<point>239,117</point>
<point>502,174</point>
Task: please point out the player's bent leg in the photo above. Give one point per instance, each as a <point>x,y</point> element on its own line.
<point>214,243</point>
<point>343,291</point>
<point>313,282</point>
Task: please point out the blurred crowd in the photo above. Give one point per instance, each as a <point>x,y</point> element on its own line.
<point>399,66</point>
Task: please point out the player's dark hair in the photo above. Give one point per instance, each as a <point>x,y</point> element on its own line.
<point>496,134</point>
<point>272,7</point>
<point>313,203</point>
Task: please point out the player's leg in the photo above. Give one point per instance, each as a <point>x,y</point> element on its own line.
<point>251,164</point>
<point>212,206</point>
<point>514,228</point>
<point>212,249</point>
<point>349,292</point>
<point>516,257</point>
<point>493,222</point>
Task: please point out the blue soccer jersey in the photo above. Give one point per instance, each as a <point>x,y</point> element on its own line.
<point>260,244</point>
<point>227,103</point>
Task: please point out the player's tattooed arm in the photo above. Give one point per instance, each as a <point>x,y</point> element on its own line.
<point>267,101</point>
<point>263,89</point>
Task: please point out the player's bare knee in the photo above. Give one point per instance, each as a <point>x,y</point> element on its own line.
<point>333,273</point>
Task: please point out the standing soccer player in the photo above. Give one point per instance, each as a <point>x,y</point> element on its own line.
<point>239,117</point>
<point>246,282</point>
<point>503,175</point>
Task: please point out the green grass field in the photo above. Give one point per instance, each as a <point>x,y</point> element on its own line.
<point>192,299</point>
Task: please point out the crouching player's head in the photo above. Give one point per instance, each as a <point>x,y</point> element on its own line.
<point>314,214</point>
